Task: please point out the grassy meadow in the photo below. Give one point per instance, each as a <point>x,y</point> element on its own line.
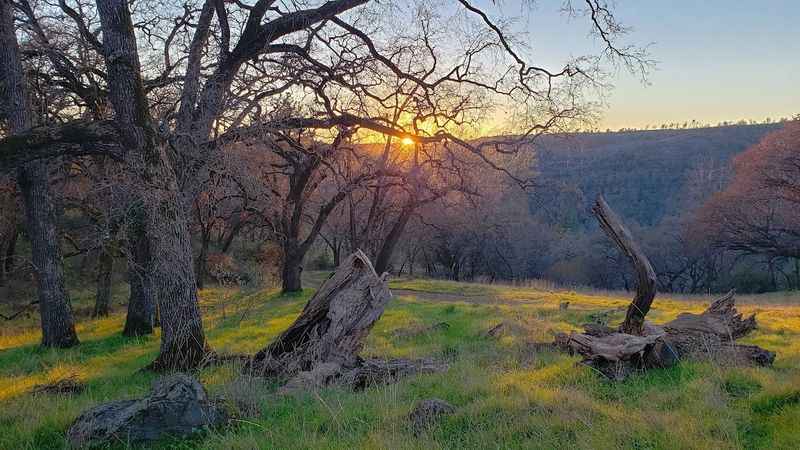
<point>508,392</point>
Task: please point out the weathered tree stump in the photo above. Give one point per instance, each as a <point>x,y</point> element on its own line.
<point>321,347</point>
<point>640,345</point>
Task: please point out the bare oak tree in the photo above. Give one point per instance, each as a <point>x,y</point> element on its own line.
<point>185,80</point>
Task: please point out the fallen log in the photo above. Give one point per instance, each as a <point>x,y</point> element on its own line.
<point>322,346</point>
<point>710,335</point>
<point>639,345</point>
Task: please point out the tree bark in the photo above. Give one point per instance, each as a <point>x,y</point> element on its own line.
<point>645,275</point>
<point>11,252</point>
<point>170,270</point>
<point>141,304</point>
<point>105,269</point>
<point>291,272</point>
<point>640,345</point>
<point>333,324</point>
<point>76,138</point>
<point>390,243</point>
<point>337,254</point>
<point>58,329</point>
<point>201,262</point>
<point>183,344</point>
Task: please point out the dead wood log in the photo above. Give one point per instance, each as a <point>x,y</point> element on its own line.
<point>710,335</point>
<point>645,275</point>
<point>713,333</point>
<point>334,322</point>
<point>617,355</point>
<point>69,385</point>
<point>640,345</point>
<point>721,319</point>
<point>321,347</point>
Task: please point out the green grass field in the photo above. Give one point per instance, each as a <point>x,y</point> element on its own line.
<point>507,394</point>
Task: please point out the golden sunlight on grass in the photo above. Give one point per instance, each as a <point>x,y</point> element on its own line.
<point>505,390</point>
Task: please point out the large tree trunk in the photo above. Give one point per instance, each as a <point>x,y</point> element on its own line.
<point>58,329</point>
<point>645,275</point>
<point>141,304</point>
<point>105,269</point>
<point>170,272</point>
<point>386,251</point>
<point>183,344</point>
<point>291,271</point>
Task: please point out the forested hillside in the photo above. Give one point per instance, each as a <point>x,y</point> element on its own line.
<point>646,175</point>
<point>661,182</point>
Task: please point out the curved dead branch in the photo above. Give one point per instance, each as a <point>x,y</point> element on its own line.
<point>645,274</point>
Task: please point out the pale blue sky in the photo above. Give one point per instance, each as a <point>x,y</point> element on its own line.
<point>717,59</point>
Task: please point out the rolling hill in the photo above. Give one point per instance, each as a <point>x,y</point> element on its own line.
<point>645,175</point>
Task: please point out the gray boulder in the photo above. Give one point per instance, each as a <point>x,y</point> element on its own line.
<point>426,412</point>
<point>177,405</point>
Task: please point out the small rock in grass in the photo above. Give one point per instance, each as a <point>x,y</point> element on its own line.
<point>426,412</point>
